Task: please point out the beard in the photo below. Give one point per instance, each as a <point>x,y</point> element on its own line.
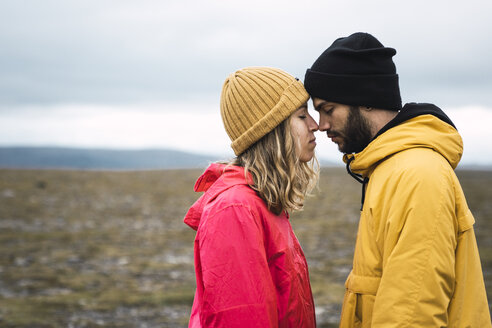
<point>356,133</point>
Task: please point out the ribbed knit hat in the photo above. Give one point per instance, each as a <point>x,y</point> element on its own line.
<point>255,100</point>
<point>356,70</point>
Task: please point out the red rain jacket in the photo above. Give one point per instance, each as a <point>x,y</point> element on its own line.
<point>250,269</point>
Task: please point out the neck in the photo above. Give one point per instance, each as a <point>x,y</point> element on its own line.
<point>378,118</point>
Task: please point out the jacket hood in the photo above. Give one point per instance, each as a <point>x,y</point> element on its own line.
<point>415,126</point>
<point>216,179</point>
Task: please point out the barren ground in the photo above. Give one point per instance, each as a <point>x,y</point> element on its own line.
<point>109,249</point>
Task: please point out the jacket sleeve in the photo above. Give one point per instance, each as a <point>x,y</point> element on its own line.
<point>417,236</point>
<point>237,286</point>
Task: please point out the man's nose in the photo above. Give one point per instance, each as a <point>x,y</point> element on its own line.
<point>324,125</point>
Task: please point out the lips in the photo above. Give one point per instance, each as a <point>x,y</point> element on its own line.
<point>333,136</point>
<point>312,142</point>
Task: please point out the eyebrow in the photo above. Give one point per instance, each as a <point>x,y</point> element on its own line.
<point>324,104</point>
<point>303,106</point>
<point>320,106</point>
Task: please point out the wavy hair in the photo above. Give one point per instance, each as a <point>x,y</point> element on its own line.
<point>280,179</point>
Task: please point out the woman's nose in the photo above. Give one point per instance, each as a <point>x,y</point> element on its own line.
<point>314,126</point>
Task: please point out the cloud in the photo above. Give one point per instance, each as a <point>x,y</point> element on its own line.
<point>195,127</point>
<point>473,123</point>
<point>128,74</point>
<point>192,126</point>
<point>119,52</point>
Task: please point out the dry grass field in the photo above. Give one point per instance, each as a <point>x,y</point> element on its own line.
<point>109,249</point>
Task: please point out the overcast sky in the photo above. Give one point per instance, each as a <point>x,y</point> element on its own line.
<point>139,74</point>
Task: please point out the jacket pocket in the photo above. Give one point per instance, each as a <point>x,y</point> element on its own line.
<point>362,284</point>
<point>362,291</point>
<point>465,221</point>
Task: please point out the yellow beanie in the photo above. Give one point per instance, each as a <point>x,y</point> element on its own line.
<point>255,100</point>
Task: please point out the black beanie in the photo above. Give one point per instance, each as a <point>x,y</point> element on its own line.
<point>356,70</point>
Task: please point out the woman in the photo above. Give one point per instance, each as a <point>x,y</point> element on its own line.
<point>250,269</point>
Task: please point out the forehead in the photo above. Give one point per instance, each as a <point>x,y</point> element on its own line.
<point>302,107</point>
<point>318,102</point>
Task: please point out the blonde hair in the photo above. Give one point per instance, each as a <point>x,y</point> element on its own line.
<point>280,179</point>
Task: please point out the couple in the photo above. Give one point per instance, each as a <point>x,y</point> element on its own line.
<point>416,262</point>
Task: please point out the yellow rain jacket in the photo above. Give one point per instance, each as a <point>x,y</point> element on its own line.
<point>416,262</point>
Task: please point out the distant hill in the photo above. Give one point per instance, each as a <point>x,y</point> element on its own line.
<point>104,159</point>
<point>75,158</point>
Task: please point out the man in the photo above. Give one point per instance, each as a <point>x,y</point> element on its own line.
<point>416,261</point>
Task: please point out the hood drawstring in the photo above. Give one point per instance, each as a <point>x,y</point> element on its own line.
<point>359,178</point>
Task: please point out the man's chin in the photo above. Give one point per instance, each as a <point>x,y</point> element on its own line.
<point>338,141</point>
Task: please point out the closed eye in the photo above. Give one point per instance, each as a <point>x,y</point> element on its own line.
<point>325,107</point>
<point>328,110</point>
